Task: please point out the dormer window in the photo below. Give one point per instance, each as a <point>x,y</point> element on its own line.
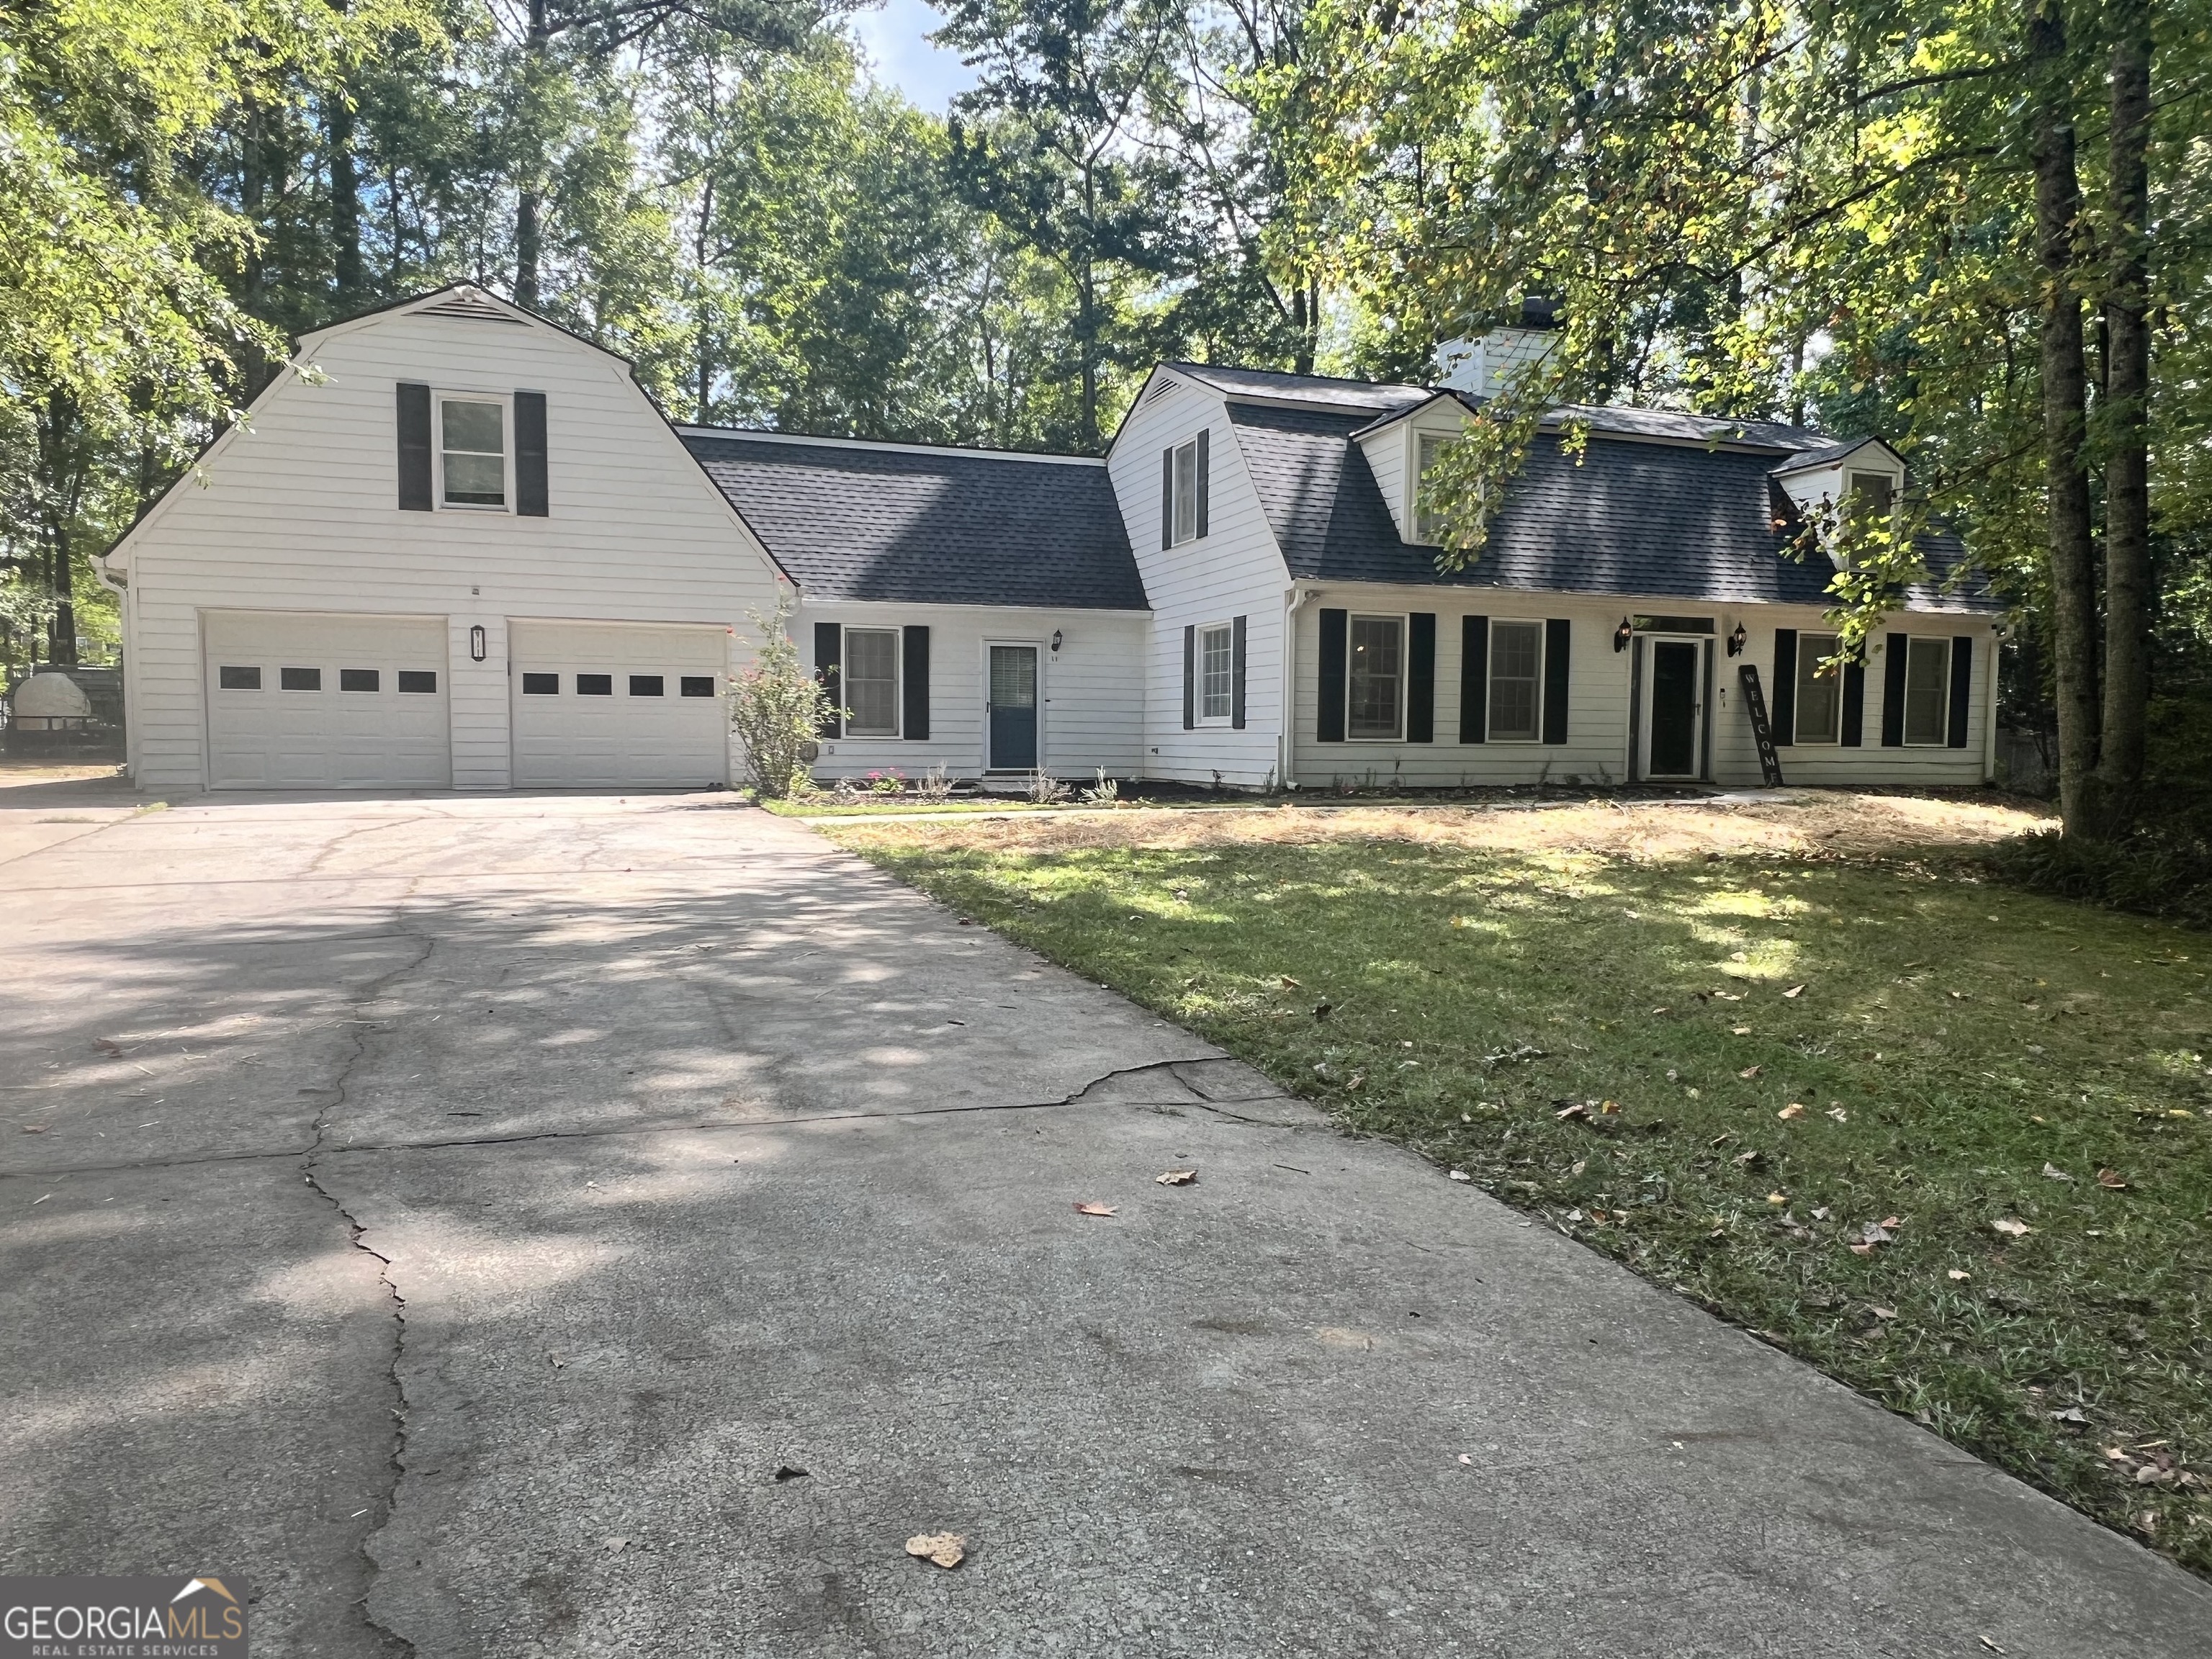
<point>1183,481</point>
<point>1428,525</point>
<point>1869,498</point>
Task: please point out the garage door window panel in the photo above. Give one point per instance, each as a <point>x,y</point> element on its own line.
<point>238,678</point>
<point>360,679</point>
<point>595,685</point>
<point>299,679</point>
<point>473,454</point>
<point>541,685</point>
<point>872,681</point>
<point>648,685</point>
<point>418,682</point>
<point>698,685</point>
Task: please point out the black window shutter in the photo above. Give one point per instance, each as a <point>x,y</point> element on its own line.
<point>1473,678</point>
<point>1854,705</point>
<point>1559,634</point>
<point>530,481</point>
<point>1785,711</point>
<point>414,448</point>
<point>1189,678</point>
<point>1962,686</point>
<point>1204,478</point>
<point>915,670</point>
<point>1421,677</point>
<point>1167,497</point>
<point>828,653</point>
<point>1328,722</point>
<point>1893,693</point>
<point>1237,673</point>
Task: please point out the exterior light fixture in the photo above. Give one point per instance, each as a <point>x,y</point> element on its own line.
<point>477,643</point>
<point>1055,639</point>
<point>1736,641</point>
<point>1622,635</point>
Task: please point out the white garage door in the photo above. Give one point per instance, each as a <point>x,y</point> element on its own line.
<point>613,705</point>
<point>326,701</point>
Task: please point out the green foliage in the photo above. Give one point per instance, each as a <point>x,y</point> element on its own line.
<point>2163,868</point>
<point>777,708</point>
<point>1462,1001</point>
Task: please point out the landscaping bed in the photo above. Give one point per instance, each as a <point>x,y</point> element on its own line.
<point>1950,1143</point>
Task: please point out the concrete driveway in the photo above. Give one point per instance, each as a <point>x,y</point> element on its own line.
<point>462,1217</point>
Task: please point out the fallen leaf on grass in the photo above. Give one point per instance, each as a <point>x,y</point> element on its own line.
<point>1608,1106</point>
<point>1792,1110</point>
<point>1959,1275</point>
<point>1881,1313</point>
<point>1176,1177</point>
<point>2009,1227</point>
<point>1751,1071</point>
<point>2110,1181</point>
<point>1287,982</point>
<point>1086,1207</point>
<point>1794,991</point>
<point>945,1549</point>
<point>2053,1172</point>
<point>1740,1030</point>
<point>2073,1414</point>
<point>1461,1174</point>
<point>1572,1109</point>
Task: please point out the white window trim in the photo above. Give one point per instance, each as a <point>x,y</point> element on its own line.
<point>1175,538</point>
<point>1415,439</point>
<point>1405,638</point>
<point>1198,673</point>
<point>1796,697</point>
<point>1905,714</point>
<point>898,678</point>
<point>438,402</point>
<point>1490,680</point>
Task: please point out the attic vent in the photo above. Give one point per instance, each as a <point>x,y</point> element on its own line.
<point>1161,388</point>
<point>468,303</point>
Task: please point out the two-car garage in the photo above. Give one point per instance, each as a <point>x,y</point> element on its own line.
<point>298,699</point>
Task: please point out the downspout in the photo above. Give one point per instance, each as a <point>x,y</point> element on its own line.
<point>1286,737</point>
<point>1990,709</point>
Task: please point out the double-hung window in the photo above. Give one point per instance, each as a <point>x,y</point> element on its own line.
<point>870,682</point>
<point>1428,525</point>
<point>1927,691</point>
<point>1375,677</point>
<point>473,452</point>
<point>1217,672</point>
<point>1184,472</point>
<point>1517,682</point>
<point>1820,716</point>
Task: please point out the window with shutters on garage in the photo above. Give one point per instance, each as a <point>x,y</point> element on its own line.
<point>872,681</point>
<point>473,452</point>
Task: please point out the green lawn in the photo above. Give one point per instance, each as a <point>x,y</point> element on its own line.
<point>1620,1048</point>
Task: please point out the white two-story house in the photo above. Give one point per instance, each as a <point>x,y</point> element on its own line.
<point>460,547</point>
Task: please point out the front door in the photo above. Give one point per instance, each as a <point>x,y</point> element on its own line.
<point>1676,703</point>
<point>1013,707</point>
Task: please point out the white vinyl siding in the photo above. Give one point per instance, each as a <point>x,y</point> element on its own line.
<point>1819,690</point>
<point>870,681</point>
<point>1517,682</point>
<point>1374,678</point>
<point>1927,692</point>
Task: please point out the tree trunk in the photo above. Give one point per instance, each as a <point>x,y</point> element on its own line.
<point>61,469</point>
<point>528,237</point>
<point>345,188</point>
<point>2065,394</point>
<point>2127,468</point>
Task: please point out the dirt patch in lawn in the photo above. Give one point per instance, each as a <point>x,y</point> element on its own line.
<point>1837,823</point>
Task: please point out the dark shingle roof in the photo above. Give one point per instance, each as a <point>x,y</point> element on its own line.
<point>1635,518</point>
<point>927,526</point>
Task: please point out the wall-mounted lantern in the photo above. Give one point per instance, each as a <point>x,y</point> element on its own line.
<point>1055,639</point>
<point>1736,641</point>
<point>477,643</point>
<point>1622,635</point>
